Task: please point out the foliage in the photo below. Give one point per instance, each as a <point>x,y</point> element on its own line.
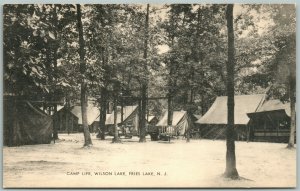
<point>41,51</point>
<point>34,35</point>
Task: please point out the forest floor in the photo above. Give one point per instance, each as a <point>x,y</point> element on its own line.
<point>199,163</point>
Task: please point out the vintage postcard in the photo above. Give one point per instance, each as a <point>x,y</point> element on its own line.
<point>149,96</point>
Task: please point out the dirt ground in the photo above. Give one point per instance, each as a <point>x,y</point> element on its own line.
<point>199,163</point>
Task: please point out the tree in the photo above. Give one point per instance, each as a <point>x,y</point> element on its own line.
<point>230,171</point>
<point>286,63</point>
<point>17,73</point>
<point>83,98</point>
<point>26,72</point>
<point>195,62</point>
<point>40,36</point>
<point>284,17</point>
<point>100,31</point>
<point>52,19</point>
<point>116,138</point>
<point>272,55</point>
<point>102,118</point>
<point>144,83</point>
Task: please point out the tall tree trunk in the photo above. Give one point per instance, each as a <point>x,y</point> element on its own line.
<point>170,109</point>
<point>139,116</point>
<point>190,100</point>
<point>198,59</point>
<point>189,114</point>
<point>103,90</point>
<point>292,87</point>
<point>122,114</point>
<point>144,83</point>
<point>170,80</point>
<point>190,125</point>
<point>143,114</point>
<point>67,110</point>
<point>116,138</point>
<point>102,118</point>
<point>170,95</point>
<point>83,97</point>
<point>231,171</point>
<point>55,47</point>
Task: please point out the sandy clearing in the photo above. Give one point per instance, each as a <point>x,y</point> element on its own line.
<point>199,163</point>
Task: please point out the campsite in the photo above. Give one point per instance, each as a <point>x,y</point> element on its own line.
<point>149,95</point>
<point>46,165</point>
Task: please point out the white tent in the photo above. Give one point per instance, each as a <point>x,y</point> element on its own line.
<point>180,122</point>
<point>92,114</point>
<point>128,113</point>
<point>243,104</point>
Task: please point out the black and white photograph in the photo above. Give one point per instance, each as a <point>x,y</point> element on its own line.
<point>149,95</point>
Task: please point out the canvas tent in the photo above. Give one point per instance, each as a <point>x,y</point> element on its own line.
<point>180,123</point>
<point>95,125</point>
<point>271,122</point>
<point>128,113</point>
<point>25,124</point>
<point>213,123</point>
<point>70,120</point>
<point>272,105</point>
<point>92,114</point>
<point>65,121</point>
<point>130,118</point>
